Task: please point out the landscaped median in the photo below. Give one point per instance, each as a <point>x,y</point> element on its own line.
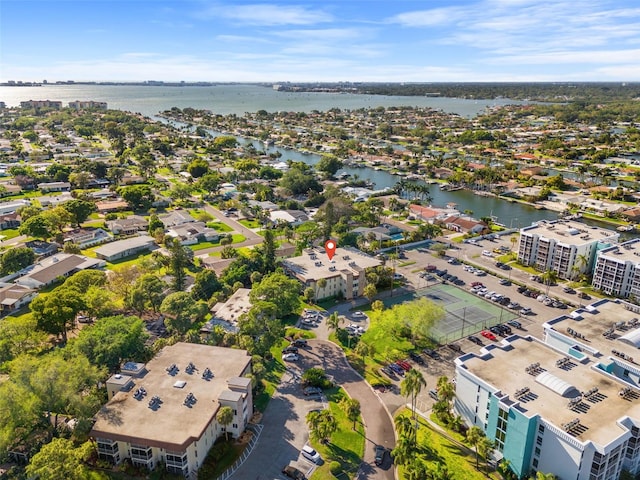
<point>344,452</point>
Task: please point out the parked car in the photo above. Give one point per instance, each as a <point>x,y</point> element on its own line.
<point>505,281</point>
<point>475,340</point>
<point>290,357</point>
<point>526,311</point>
<point>416,358</point>
<point>515,324</point>
<point>310,454</point>
<point>455,347</point>
<point>388,371</point>
<point>431,353</point>
<point>584,296</point>
<point>358,314</point>
<point>477,284</point>
<point>290,349</point>
<point>568,290</point>
<point>380,453</point>
<point>311,391</point>
<point>404,365</point>
<point>300,342</point>
<point>488,334</point>
<point>293,473</point>
<point>522,289</point>
<point>513,306</point>
<point>434,394</point>
<point>397,369</point>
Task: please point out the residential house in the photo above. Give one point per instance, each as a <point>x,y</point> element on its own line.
<point>124,248</point>
<point>192,233</point>
<point>86,237</point>
<point>9,220</point>
<point>464,225</point>
<point>14,297</point>
<point>175,218</point>
<point>46,187</point>
<point>50,269</point>
<point>128,226</point>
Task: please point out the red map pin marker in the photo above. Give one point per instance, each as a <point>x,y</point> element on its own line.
<point>330,248</point>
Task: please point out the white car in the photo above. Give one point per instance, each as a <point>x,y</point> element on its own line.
<point>308,321</point>
<point>487,253</point>
<point>310,454</point>
<point>290,357</point>
<point>358,314</point>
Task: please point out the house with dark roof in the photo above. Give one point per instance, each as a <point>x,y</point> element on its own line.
<point>9,220</point>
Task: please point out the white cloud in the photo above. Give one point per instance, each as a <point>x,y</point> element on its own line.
<point>268,14</point>
<point>429,18</point>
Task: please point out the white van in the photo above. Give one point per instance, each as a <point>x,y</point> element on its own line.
<point>310,454</point>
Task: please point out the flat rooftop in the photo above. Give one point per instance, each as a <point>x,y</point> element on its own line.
<point>231,310</point>
<point>593,321</point>
<point>570,232</point>
<point>597,414</point>
<point>625,252</point>
<point>172,425</point>
<point>314,263</point>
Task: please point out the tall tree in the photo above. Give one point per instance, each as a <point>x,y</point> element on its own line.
<point>322,425</point>
<point>61,459</point>
<point>16,259</point>
<point>112,340</point>
<point>282,291</point>
<point>181,311</point>
<point>411,386</point>
<point>55,313</point>
<point>79,210</point>
<point>177,265</point>
<point>473,437</point>
<point>224,418</point>
<point>351,408</point>
<point>269,251</point>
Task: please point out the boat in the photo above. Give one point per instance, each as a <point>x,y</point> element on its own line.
<point>626,228</point>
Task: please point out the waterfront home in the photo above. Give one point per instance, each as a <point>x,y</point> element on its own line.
<point>464,225</point>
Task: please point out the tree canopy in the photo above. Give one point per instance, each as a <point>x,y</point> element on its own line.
<point>282,291</point>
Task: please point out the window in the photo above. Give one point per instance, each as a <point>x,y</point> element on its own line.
<point>235,425</point>
<point>535,463</point>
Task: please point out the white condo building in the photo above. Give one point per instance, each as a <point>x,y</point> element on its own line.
<point>568,405</point>
<point>165,411</point>
<point>617,270</point>
<point>566,247</point>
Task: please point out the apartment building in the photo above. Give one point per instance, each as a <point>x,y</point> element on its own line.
<point>82,105</point>
<point>164,412</point>
<point>617,270</point>
<point>344,274</point>
<point>567,247</point>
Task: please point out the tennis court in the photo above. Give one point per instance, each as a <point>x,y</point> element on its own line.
<point>466,314</point>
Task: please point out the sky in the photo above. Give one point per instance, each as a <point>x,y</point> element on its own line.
<point>329,40</point>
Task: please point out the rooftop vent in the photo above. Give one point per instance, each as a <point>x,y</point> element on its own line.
<point>179,384</point>
<point>571,425</point>
<point>207,374</point>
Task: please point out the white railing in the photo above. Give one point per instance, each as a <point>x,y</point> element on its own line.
<point>256,429</point>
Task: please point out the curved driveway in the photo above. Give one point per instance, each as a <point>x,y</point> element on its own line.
<point>378,425</point>
<point>285,430</point>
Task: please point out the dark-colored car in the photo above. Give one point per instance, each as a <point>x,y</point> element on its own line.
<point>455,347</point>
<point>290,349</point>
<point>584,296</point>
<point>299,342</point>
<point>432,353</point>
<point>522,289</point>
<point>474,339</point>
<point>416,358</point>
<point>397,369</point>
<point>380,452</point>
<point>515,323</point>
<point>294,473</point>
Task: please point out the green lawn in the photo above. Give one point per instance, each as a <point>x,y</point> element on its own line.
<point>220,226</point>
<point>9,233</point>
<point>434,448</point>
<point>250,223</point>
<point>346,445</point>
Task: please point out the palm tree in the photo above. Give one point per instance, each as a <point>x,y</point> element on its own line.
<point>351,408</point>
<point>439,471</point>
<point>364,350</point>
<point>514,240</point>
<point>225,417</point>
<point>484,448</point>
<point>411,387</point>
<point>405,427</point>
<point>416,469</point>
<point>549,277</point>
<point>321,283</point>
<point>321,425</point>
<point>473,437</point>
<point>404,452</point>
<point>333,321</point>
<point>582,261</point>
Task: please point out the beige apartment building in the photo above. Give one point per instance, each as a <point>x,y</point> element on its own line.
<point>164,412</point>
